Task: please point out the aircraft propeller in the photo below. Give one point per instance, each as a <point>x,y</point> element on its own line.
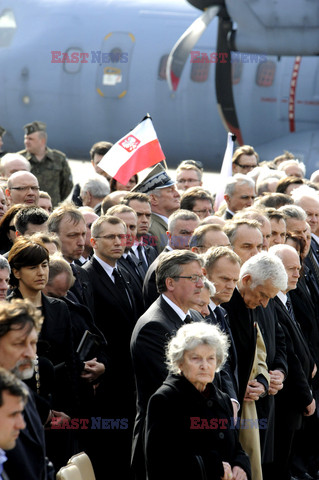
<point>223,76</point>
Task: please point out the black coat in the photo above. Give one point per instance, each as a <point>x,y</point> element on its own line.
<point>28,459</point>
<point>227,378</point>
<point>149,339</point>
<point>296,394</point>
<point>56,343</point>
<point>274,339</point>
<point>174,448</point>
<point>242,323</point>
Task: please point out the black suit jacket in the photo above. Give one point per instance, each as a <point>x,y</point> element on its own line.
<point>149,339</point>
<point>296,394</point>
<point>242,324</point>
<point>227,380</point>
<point>116,320</point>
<point>28,459</point>
<point>82,288</point>
<point>150,293</point>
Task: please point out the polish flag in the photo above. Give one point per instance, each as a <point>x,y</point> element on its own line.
<point>138,150</point>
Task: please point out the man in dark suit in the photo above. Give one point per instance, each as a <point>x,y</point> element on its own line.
<point>115,316</point>
<point>179,280</point>
<point>222,267</point>
<point>69,224</point>
<point>129,262</point>
<point>13,397</point>
<point>261,277</point>
<point>181,226</point>
<point>143,249</point>
<point>296,400</point>
<point>19,327</point>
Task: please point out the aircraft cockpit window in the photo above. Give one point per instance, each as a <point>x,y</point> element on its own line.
<point>162,67</point>
<point>72,63</point>
<point>265,73</point>
<point>200,70</point>
<point>8,27</point>
<point>236,71</point>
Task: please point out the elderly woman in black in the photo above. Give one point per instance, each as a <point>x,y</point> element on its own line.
<point>189,431</point>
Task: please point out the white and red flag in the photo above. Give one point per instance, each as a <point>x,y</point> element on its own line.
<point>226,170</point>
<point>138,150</point>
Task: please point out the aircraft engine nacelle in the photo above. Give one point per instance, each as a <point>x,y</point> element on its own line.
<point>272,27</point>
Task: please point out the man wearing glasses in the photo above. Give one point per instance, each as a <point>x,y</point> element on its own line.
<point>179,280</point>
<point>23,187</point>
<point>244,159</point>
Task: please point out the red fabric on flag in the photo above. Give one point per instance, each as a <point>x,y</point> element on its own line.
<point>144,157</point>
<point>137,150</point>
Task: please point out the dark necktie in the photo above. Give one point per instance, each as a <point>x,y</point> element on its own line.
<point>130,261</point>
<point>314,265</point>
<point>141,257</point>
<point>290,309</point>
<point>120,283</point>
<point>220,318</point>
<point>77,287</point>
<point>188,319</point>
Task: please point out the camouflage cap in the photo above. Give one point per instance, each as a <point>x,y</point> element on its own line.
<point>157,178</point>
<point>2,131</point>
<point>34,127</point>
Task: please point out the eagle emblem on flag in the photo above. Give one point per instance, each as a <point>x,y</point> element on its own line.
<point>130,143</point>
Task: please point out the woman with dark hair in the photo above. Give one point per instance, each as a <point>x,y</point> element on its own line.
<point>7,228</point>
<point>29,262</point>
<point>116,185</point>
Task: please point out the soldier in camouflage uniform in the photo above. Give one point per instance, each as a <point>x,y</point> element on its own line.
<point>2,132</point>
<point>49,166</point>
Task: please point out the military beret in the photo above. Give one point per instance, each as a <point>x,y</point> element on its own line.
<point>34,127</point>
<point>157,178</point>
<point>2,131</point>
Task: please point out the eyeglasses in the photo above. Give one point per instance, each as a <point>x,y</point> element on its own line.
<point>206,210</point>
<point>189,180</point>
<point>112,237</point>
<point>193,278</point>
<point>25,189</point>
<point>246,167</point>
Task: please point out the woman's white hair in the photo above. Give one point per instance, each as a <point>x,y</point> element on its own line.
<point>265,266</point>
<point>192,335</point>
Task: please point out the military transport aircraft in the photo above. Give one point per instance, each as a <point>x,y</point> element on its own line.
<point>92,70</point>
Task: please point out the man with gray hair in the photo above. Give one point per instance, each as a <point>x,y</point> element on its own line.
<point>5,271</point>
<point>260,279</point>
<point>179,280</point>
<point>93,192</point>
<point>296,399</point>
<point>181,226</point>
<point>239,193</point>
<point>13,162</point>
<point>296,220</point>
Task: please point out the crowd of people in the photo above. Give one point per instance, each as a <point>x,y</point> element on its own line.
<point>163,334</point>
